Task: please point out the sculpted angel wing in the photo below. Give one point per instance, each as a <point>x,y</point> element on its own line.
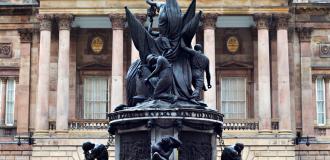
<point>190,29</point>
<point>142,40</point>
<point>190,13</point>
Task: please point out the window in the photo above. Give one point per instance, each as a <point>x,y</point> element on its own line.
<point>10,102</point>
<point>320,101</point>
<point>233,97</point>
<point>95,97</point>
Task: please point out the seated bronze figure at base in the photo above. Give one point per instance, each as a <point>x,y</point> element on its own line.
<point>163,149</point>
<point>233,152</point>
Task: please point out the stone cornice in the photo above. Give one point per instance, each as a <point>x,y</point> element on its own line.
<point>304,34</point>
<point>262,20</point>
<point>117,20</point>
<point>25,35</point>
<point>209,20</point>
<point>64,21</point>
<point>282,21</point>
<point>45,21</point>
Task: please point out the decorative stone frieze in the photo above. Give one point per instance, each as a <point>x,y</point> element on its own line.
<point>262,21</point>
<point>304,33</point>
<point>45,21</point>
<point>25,35</point>
<point>5,50</point>
<point>311,10</point>
<point>117,21</point>
<point>282,21</point>
<point>209,20</point>
<point>64,21</point>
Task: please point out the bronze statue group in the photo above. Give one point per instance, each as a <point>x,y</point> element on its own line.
<point>167,68</point>
<point>168,64</point>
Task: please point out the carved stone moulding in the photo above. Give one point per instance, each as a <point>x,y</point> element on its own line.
<point>45,21</point>
<point>5,50</point>
<point>64,21</point>
<point>262,20</point>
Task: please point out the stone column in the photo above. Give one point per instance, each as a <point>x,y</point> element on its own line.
<point>117,69</point>
<point>134,52</point>
<point>41,116</point>
<point>23,88</point>
<point>264,100</point>
<point>210,96</point>
<point>283,76</point>
<point>306,81</point>
<point>3,101</point>
<point>62,107</point>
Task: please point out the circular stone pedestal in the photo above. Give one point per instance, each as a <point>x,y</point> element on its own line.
<point>138,129</point>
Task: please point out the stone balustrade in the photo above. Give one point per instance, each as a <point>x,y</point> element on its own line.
<point>249,124</point>
<point>83,125</point>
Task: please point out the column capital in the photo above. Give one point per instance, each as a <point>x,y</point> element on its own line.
<point>25,35</point>
<point>64,21</point>
<point>304,33</point>
<point>282,21</point>
<point>209,20</point>
<point>4,80</point>
<point>262,20</point>
<point>117,21</point>
<point>45,21</point>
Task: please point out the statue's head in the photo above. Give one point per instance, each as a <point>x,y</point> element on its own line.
<point>198,47</point>
<point>151,59</point>
<point>87,146</point>
<point>239,147</point>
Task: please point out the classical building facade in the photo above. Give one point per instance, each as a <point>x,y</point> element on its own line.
<point>63,65</point>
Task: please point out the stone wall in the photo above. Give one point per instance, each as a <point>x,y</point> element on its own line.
<point>67,146</point>
<point>13,151</point>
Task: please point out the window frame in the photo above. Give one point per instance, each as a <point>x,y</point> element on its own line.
<point>107,102</point>
<point>323,101</point>
<point>245,95</point>
<point>6,123</point>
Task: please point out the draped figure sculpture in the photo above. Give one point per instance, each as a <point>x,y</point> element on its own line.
<point>174,28</point>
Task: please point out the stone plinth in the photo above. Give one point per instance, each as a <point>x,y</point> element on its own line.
<point>137,129</point>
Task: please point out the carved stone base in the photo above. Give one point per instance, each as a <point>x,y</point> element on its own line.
<point>137,130</point>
